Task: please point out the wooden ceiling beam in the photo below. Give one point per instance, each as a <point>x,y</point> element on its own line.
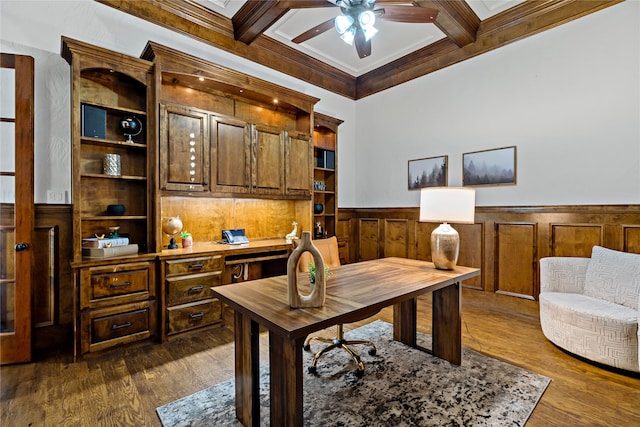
<point>456,19</point>
<point>255,17</point>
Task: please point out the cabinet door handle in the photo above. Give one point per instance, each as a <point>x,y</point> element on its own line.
<point>196,266</point>
<point>119,285</point>
<point>196,289</point>
<point>124,325</point>
<point>196,315</point>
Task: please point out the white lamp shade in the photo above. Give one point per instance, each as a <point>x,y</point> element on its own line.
<point>447,204</point>
<point>342,23</point>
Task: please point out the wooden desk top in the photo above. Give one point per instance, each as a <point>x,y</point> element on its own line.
<point>354,291</point>
<point>253,246</point>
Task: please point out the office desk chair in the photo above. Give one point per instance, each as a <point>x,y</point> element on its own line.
<point>329,250</point>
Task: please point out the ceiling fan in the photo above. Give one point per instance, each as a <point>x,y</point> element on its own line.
<point>356,24</point>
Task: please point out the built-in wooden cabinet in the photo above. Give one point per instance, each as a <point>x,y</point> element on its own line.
<point>107,88</point>
<point>230,154</point>
<point>298,170</point>
<point>187,303</point>
<point>111,165</point>
<point>267,159</point>
<point>325,175</point>
<point>116,304</point>
<point>184,148</point>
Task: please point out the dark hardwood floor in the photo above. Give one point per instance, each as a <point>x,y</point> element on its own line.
<point>123,388</point>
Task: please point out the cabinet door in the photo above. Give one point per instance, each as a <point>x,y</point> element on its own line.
<point>267,159</point>
<point>184,149</point>
<point>298,164</point>
<point>230,154</point>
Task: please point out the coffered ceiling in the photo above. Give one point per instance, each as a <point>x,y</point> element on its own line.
<point>262,31</point>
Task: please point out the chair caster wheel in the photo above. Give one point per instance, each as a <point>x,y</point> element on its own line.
<point>359,373</point>
<point>312,370</point>
<point>372,352</point>
<point>306,347</point>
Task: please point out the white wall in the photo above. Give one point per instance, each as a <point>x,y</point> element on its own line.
<point>568,99</point>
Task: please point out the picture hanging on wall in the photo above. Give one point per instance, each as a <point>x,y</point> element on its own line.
<point>428,172</point>
<point>489,167</point>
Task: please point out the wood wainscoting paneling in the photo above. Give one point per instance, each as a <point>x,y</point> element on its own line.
<point>515,253</point>
<point>53,276</point>
<point>506,243</point>
<point>368,241</point>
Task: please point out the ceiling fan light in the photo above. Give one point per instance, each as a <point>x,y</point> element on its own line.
<point>349,35</point>
<point>366,19</point>
<point>369,32</point>
<point>342,23</point>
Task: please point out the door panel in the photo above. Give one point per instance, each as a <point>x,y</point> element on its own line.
<point>267,158</point>
<point>231,157</point>
<point>16,206</point>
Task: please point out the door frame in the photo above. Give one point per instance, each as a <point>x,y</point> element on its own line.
<point>15,347</point>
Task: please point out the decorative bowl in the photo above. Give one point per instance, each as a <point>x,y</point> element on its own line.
<point>115,209</point>
<point>318,208</point>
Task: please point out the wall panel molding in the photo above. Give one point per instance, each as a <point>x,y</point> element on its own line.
<point>515,261</point>
<point>506,243</point>
<point>396,238</point>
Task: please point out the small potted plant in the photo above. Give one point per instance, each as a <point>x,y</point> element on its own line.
<point>187,240</point>
<point>312,272</point>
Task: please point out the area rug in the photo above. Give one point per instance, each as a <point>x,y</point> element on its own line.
<point>401,386</point>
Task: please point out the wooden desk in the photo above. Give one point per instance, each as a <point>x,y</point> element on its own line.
<point>354,291</point>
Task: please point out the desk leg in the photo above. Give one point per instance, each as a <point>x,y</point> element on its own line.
<point>247,364</point>
<point>447,323</point>
<point>404,322</point>
<point>285,365</point>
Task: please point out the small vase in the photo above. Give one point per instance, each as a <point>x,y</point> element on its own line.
<point>187,242</point>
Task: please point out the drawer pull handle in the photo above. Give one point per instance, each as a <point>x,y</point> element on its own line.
<point>119,285</point>
<point>195,289</point>
<point>196,266</point>
<point>196,315</point>
<point>124,325</point>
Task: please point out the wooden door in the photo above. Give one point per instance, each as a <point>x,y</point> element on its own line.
<point>298,164</point>
<point>230,155</point>
<point>184,149</point>
<point>267,160</point>
<point>16,207</point>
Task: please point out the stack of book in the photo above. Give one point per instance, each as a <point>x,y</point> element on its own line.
<point>94,247</point>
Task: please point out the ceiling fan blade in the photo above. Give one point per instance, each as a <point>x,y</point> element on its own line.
<point>410,14</point>
<point>363,46</point>
<point>315,31</point>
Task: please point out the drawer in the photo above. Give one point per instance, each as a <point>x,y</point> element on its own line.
<point>194,287</point>
<point>105,285</point>
<point>193,265</point>
<point>193,315</point>
<point>119,325</point>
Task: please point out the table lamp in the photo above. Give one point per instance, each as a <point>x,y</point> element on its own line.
<point>446,204</point>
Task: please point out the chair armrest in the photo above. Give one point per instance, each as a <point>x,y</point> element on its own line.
<point>563,274</point>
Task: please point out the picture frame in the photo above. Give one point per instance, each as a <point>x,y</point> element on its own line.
<point>496,166</point>
<point>428,172</point>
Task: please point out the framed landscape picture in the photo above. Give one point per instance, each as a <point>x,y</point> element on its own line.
<point>489,167</point>
<point>428,172</point>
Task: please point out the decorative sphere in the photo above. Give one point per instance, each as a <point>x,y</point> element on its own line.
<point>131,126</point>
<point>172,226</point>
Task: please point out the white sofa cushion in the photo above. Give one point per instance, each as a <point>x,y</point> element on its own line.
<point>613,276</point>
<point>592,328</point>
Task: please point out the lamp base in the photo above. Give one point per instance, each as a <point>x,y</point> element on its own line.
<point>445,247</point>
